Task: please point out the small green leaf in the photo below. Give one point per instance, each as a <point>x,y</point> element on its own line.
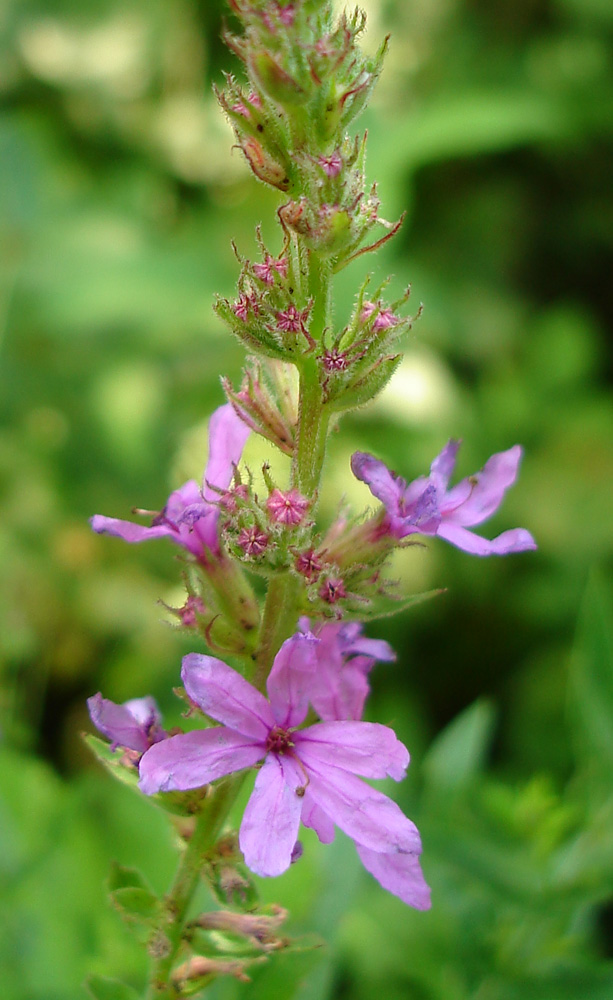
<point>102,988</point>
<point>121,877</point>
<point>366,387</point>
<point>459,753</point>
<point>113,760</point>
<point>591,681</point>
<point>177,803</point>
<point>136,905</point>
<point>386,608</point>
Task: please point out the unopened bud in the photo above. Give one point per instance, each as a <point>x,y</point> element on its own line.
<point>263,165</point>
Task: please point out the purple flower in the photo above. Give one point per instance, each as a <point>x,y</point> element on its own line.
<point>307,775</point>
<point>191,514</point>
<point>427,507</point>
<point>134,725</point>
<point>338,688</point>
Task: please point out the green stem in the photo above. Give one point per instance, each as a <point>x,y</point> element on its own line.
<point>208,826</point>
<point>278,622</point>
<point>313,417</point>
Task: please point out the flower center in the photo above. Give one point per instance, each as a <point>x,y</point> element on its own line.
<point>279,740</point>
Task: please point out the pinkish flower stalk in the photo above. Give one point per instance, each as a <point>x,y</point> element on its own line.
<point>306,82</point>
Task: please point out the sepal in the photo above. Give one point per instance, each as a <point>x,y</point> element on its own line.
<point>229,878</point>
<point>363,388</point>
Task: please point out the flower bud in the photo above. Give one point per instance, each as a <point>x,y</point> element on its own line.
<point>263,165</point>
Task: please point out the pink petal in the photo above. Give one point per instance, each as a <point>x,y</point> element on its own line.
<point>269,829</point>
<point>514,540</point>
<point>443,466</point>
<point>380,480</point>
<point>360,811</point>
<point>400,874</point>
<point>227,436</point>
<point>187,495</point>
<point>378,649</point>
<point>365,748</point>
<point>191,760</point>
<point>144,710</point>
<point>224,695</point>
<point>289,680</point>
<point>117,723</point>
<point>129,531</point>
<point>339,692</point>
<point>316,819</point>
<point>487,489</point>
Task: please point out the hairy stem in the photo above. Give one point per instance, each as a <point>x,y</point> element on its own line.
<point>278,622</point>
<point>313,417</point>
<point>167,942</point>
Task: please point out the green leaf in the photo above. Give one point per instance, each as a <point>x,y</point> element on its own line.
<point>113,761</point>
<point>177,803</point>
<point>386,608</point>
<point>459,753</point>
<point>121,877</point>
<point>591,681</point>
<point>102,988</point>
<point>137,905</point>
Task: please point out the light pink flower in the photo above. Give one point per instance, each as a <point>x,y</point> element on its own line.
<point>428,507</point>
<point>191,513</point>
<point>134,725</point>
<point>338,688</point>
<point>308,775</point>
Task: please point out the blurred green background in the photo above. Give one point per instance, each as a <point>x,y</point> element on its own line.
<point>493,126</point>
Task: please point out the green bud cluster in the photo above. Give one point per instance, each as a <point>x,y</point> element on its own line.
<point>307,80</point>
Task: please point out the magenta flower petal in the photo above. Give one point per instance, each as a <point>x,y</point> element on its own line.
<point>378,649</point>
<point>443,465</point>
<point>269,829</point>
<point>340,693</point>
<point>400,874</point>
<point>360,811</point>
<point>339,686</point>
<point>127,530</point>
<point>191,760</point>
<point>227,437</point>
<point>485,490</point>
<point>427,507</point>
<point>224,695</point>
<point>133,725</point>
<point>289,680</point>
<point>144,710</point>
<point>514,540</point>
<point>365,748</point>
<point>381,481</point>
<point>190,515</point>
<point>316,819</point>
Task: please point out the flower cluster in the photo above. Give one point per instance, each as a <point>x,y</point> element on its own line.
<point>288,708</point>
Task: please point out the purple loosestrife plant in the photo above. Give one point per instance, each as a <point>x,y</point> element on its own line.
<point>286,713</point>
